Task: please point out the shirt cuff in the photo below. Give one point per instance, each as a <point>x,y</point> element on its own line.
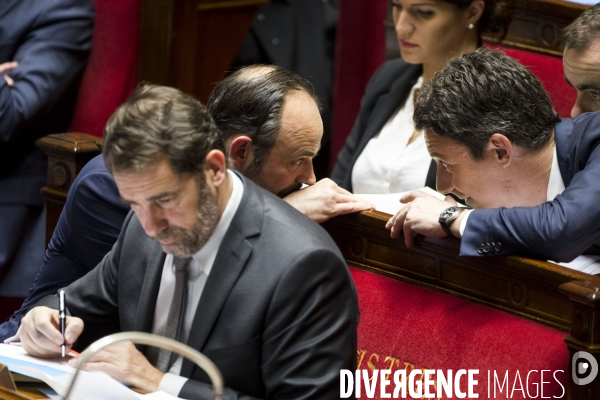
<point>463,223</point>
<point>172,384</point>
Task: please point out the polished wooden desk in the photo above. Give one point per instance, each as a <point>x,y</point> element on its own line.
<point>538,291</point>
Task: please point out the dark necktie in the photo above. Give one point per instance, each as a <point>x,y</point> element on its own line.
<point>166,358</point>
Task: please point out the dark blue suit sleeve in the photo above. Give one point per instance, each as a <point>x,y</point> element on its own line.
<point>88,227</point>
<point>559,230</point>
<point>52,53</point>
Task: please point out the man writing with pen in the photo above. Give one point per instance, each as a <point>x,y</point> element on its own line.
<point>210,259</point>
<point>62,317</point>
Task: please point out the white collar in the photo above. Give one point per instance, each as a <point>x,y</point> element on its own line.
<point>205,256</point>
<point>555,184</point>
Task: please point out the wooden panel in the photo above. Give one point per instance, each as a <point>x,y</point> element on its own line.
<point>155,41</point>
<point>190,44</point>
<point>537,24</point>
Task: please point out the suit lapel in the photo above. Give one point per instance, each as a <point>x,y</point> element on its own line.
<point>149,290</point>
<point>229,264</point>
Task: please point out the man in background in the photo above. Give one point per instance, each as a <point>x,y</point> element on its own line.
<point>270,121</point>
<point>581,60</point>
<point>208,258</point>
<point>44,47</point>
<point>272,129</point>
<point>497,142</point>
<point>298,35</point>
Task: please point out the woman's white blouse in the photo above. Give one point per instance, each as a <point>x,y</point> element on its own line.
<point>388,164</point>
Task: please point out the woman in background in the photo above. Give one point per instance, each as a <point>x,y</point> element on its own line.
<point>384,153</point>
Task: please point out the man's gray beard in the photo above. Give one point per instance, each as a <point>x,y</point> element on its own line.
<point>253,172</point>
<point>192,240</point>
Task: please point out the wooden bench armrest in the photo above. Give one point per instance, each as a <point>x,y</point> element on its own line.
<point>67,154</point>
<point>539,291</point>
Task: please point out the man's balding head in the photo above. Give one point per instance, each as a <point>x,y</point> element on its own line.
<point>271,125</point>
<point>581,60</point>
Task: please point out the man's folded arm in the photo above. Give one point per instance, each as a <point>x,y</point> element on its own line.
<point>559,230</point>
<point>54,54</point>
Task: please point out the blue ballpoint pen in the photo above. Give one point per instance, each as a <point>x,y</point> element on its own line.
<point>62,317</point>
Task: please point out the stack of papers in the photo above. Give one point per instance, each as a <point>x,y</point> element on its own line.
<point>58,375</point>
<point>587,264</point>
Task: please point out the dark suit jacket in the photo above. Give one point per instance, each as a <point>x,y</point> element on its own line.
<point>387,90</point>
<point>87,229</point>
<point>561,229</point>
<point>51,40</point>
<point>278,314</point>
<point>298,35</point>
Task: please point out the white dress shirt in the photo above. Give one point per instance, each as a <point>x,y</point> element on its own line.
<point>556,186</point>
<point>199,269</point>
<point>389,164</point>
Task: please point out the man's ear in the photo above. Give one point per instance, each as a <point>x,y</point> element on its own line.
<point>215,167</point>
<point>501,149</point>
<point>240,151</point>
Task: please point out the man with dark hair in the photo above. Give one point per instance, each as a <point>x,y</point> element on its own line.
<point>211,259</point>
<point>271,124</point>
<point>272,129</point>
<point>581,60</point>
<point>498,142</point>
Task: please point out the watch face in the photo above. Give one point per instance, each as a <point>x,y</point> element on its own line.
<point>447,213</point>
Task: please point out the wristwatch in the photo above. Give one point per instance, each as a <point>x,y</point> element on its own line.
<point>449,215</point>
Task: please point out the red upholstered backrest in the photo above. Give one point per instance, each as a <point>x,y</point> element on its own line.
<point>407,326</point>
<point>360,50</point>
<point>549,70</point>
<point>111,74</point>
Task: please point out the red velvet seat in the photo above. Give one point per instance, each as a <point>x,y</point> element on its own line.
<point>111,74</point>
<point>404,326</point>
<point>110,77</point>
<point>549,71</point>
<point>360,50</point>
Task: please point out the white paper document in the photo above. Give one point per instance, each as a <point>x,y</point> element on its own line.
<point>587,264</point>
<point>58,375</point>
<point>390,203</point>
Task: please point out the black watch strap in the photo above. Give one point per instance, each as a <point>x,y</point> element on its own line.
<point>449,215</point>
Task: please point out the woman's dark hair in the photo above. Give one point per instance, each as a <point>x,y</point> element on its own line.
<point>496,15</point>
